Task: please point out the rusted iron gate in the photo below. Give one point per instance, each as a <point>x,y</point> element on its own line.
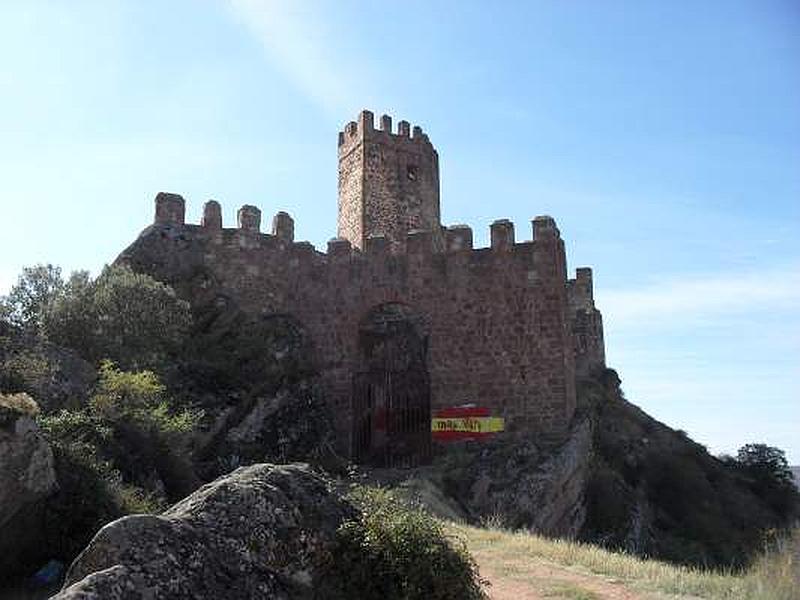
<point>391,418</point>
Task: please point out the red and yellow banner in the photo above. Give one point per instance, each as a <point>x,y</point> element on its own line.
<point>464,423</point>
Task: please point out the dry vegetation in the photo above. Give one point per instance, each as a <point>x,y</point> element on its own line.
<point>21,403</point>
<point>536,567</point>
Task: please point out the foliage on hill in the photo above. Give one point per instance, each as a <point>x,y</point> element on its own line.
<point>655,492</point>
<point>121,315</point>
<point>220,390</point>
<point>25,304</point>
<point>122,453</point>
<point>124,316</point>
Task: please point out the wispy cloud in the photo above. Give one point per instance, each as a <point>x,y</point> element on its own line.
<point>698,297</point>
<point>299,46</point>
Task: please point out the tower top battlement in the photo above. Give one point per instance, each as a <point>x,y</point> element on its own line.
<point>388,182</point>
<point>357,131</point>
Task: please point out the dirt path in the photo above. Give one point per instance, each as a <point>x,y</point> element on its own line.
<point>520,579</point>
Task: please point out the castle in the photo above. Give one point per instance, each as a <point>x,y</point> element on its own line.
<point>406,319</point>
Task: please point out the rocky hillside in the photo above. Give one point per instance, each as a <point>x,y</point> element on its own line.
<point>655,492</point>
<point>623,481</point>
<point>120,442</point>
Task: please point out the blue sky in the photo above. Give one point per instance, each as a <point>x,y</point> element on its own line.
<point>664,137</point>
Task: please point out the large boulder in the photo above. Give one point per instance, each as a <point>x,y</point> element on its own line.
<point>263,531</point>
<point>27,476</point>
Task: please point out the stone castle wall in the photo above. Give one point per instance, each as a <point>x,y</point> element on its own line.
<point>586,324</point>
<point>498,320</point>
<point>501,327</point>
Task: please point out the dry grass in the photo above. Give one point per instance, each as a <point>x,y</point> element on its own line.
<point>774,577</point>
<point>21,403</point>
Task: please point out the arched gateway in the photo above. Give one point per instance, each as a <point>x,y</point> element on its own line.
<point>391,402</point>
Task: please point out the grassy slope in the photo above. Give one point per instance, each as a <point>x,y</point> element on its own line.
<point>535,567</point>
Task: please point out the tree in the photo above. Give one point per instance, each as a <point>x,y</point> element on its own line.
<point>127,317</point>
<point>766,463</point>
<point>771,477</point>
<point>36,287</point>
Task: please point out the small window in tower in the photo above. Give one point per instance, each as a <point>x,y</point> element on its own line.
<point>411,171</point>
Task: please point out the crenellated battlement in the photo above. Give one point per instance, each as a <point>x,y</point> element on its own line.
<point>356,132</point>
<point>170,209</point>
<point>388,182</point>
<point>458,239</point>
<point>506,329</point>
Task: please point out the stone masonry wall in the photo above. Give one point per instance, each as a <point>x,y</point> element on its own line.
<point>586,324</point>
<point>351,188</point>
<point>388,182</point>
<point>497,319</point>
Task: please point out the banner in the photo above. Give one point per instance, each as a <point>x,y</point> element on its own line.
<point>464,423</point>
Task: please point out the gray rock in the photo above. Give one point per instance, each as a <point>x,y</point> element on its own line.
<point>523,487</point>
<point>27,476</point>
<point>263,531</point>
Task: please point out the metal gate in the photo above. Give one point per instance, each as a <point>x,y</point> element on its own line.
<point>391,418</point>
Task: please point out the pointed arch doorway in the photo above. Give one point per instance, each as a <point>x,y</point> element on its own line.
<point>391,403</point>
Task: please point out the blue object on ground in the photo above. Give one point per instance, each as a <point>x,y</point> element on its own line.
<point>50,573</point>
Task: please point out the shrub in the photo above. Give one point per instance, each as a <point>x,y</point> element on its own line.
<point>138,397</point>
<point>86,498</point>
<point>394,550</point>
<point>22,370</point>
<point>126,316</point>
<point>770,477</point>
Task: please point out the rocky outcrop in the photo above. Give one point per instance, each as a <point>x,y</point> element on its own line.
<point>27,476</point>
<point>292,424</point>
<point>510,481</point>
<point>264,531</point>
<point>525,487</point>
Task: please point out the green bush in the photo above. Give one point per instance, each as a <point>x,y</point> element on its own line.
<point>110,454</point>
<point>87,497</point>
<point>231,351</point>
<point>394,550</point>
<point>36,287</point>
<point>129,317</point>
<point>22,370</point>
<point>770,477</point>
<point>138,397</point>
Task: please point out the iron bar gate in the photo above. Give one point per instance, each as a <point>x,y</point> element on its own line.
<point>391,418</point>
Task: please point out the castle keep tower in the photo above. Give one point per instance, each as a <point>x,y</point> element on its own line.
<point>388,183</point>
